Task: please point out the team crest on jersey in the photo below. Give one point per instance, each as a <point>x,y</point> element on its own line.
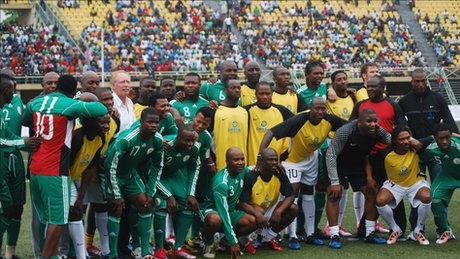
<point>315,140</point>
<point>266,203</point>
<point>157,201</point>
<point>345,111</point>
<point>289,107</point>
<point>150,150</point>
<point>404,170</point>
<point>263,126</point>
<point>85,160</point>
<point>234,127</point>
<point>186,158</point>
<point>456,161</point>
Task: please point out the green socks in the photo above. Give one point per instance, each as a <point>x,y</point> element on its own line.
<point>145,222</point>
<point>159,224</point>
<point>113,227</point>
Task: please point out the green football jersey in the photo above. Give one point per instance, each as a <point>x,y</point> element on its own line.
<point>180,172</point>
<point>188,108</point>
<point>213,91</point>
<point>449,161</point>
<point>129,154</point>
<point>167,127</point>
<point>308,94</point>
<point>224,195</point>
<point>12,113</point>
<point>204,143</point>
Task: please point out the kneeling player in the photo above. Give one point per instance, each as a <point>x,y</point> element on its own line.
<point>261,198</point>
<point>220,210</point>
<point>404,180</point>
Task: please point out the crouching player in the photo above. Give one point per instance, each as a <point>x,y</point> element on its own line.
<point>136,153</point>
<point>445,150</point>
<point>220,209</point>
<point>404,180</point>
<point>176,192</point>
<point>269,197</point>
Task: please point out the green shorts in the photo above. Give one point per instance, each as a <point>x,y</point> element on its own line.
<point>234,215</point>
<point>443,187</point>
<point>15,177</point>
<point>51,198</point>
<point>131,186</point>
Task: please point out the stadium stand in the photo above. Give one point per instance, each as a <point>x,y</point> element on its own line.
<point>152,35</point>
<point>441,27</point>
<point>180,35</point>
<point>29,50</point>
<point>289,33</point>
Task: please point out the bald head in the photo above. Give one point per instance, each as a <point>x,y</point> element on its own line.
<point>232,152</point>
<point>89,81</point>
<point>228,71</point>
<point>49,82</point>
<point>267,152</point>
<point>318,100</point>
<point>8,72</point>
<point>252,72</point>
<point>279,69</point>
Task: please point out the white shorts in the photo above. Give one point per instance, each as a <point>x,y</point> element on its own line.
<point>74,186</point>
<point>399,192</point>
<point>305,171</point>
<point>93,194</point>
<point>269,212</point>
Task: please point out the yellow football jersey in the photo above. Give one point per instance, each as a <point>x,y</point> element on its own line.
<point>361,94</point>
<point>261,121</point>
<point>288,100</point>
<point>248,95</point>
<point>308,139</point>
<point>265,194</point>
<point>341,108</point>
<point>84,157</point>
<point>403,169</point>
<point>230,130</point>
<point>138,108</point>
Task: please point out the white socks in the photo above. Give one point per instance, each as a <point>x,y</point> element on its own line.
<point>423,210</point>
<point>308,207</point>
<point>101,219</point>
<point>77,234</point>
<point>343,205</point>
<point>169,230</point>
<point>387,214</point>
<point>334,230</point>
<point>358,203</point>
<point>292,228</point>
<point>370,227</point>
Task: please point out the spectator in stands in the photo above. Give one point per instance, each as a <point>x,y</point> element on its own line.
<point>93,11</point>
